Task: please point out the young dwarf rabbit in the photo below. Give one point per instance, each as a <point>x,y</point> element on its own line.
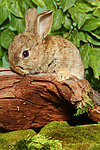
<point>34,52</point>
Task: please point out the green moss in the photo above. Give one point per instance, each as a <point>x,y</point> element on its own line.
<point>2,140</point>
<point>75,137</point>
<point>54,135</point>
<point>76,134</point>
<point>21,145</point>
<point>54,125</point>
<point>11,137</point>
<point>38,142</point>
<point>94,147</point>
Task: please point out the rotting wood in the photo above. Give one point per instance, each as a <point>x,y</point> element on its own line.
<point>35,100</point>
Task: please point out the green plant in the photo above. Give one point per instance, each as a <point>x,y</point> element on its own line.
<point>86,104</point>
<point>76,20</point>
<point>38,142</point>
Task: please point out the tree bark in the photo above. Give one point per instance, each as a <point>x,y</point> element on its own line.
<point>32,101</point>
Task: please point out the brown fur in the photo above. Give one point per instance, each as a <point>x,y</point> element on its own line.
<point>49,54</point>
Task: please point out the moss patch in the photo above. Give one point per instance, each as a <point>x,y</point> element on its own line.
<point>94,147</point>
<point>54,125</point>
<point>7,139</point>
<point>73,138</point>
<point>51,136</point>
<point>38,142</point>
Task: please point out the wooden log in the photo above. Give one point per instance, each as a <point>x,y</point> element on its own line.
<point>35,100</point>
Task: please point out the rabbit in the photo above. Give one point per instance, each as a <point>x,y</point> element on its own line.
<point>33,51</point>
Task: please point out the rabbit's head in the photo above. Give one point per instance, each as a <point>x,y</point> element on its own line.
<point>26,51</point>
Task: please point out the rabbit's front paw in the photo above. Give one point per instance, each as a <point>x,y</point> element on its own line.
<point>63,74</point>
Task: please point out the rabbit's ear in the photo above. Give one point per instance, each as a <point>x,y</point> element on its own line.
<point>44,22</point>
<point>30,17</point>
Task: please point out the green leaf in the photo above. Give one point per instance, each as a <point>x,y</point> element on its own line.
<point>91,24</point>
<point>82,37</point>
<point>6,56</point>
<point>67,22</point>
<point>1,62</point>
<point>94,82</point>
<point>56,1</point>
<point>2,1</point>
<point>85,55</point>
<point>76,37</point>
<point>66,4</point>
<point>18,24</point>
<point>58,20</point>
<point>1,52</point>
<point>6,37</point>
<point>93,2</point>
<point>84,6</point>
<point>97,31</point>
<point>51,5</point>
<point>5,61</point>
<point>4,13</point>
<point>60,32</point>
<point>30,3</point>
<point>96,12</point>
<point>95,35</point>
<point>95,61</point>
<point>92,39</point>
<point>78,15</point>
<point>89,16</point>
<point>5,24</point>
<point>39,9</point>
<point>40,3</point>
<point>17,8</point>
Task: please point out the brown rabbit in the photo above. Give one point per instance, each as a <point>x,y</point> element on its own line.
<point>34,52</point>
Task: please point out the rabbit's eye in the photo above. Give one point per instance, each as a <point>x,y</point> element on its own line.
<point>25,54</point>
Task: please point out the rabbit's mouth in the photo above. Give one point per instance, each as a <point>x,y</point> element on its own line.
<point>21,67</point>
<point>18,69</point>
<point>21,70</point>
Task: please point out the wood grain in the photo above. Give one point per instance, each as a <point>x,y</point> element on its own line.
<point>35,100</point>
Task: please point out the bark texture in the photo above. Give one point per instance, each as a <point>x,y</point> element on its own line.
<point>35,100</point>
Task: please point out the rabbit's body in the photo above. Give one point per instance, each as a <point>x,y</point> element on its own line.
<point>44,54</point>
<point>64,59</point>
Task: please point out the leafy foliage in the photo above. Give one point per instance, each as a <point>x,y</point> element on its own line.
<point>76,20</point>
<point>86,104</point>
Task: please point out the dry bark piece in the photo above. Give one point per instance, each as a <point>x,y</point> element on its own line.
<point>35,100</point>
